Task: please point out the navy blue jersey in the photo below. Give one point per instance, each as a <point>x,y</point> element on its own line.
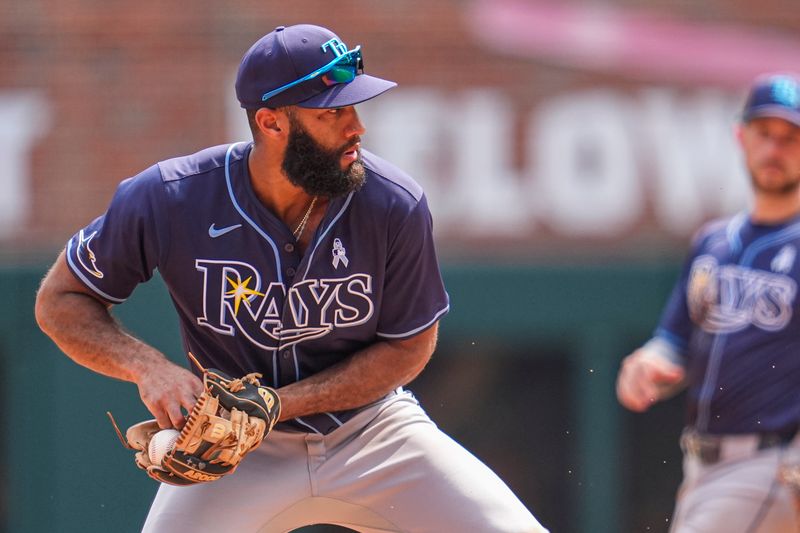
<point>247,300</point>
<point>733,319</point>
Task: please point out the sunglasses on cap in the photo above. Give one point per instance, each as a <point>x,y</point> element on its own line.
<point>343,69</point>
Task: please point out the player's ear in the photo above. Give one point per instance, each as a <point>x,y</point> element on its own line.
<point>269,121</point>
<point>738,132</point>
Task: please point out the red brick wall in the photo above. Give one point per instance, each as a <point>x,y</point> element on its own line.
<point>130,83</point>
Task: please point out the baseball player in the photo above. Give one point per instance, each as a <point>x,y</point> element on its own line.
<point>307,259</point>
<point>730,334</point>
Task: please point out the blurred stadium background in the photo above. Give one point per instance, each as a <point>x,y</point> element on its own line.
<point>568,150</point>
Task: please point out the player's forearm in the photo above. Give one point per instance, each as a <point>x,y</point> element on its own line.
<point>84,329</point>
<point>366,376</point>
<point>93,339</point>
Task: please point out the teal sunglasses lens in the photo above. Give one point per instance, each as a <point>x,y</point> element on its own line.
<point>336,75</point>
<point>346,69</point>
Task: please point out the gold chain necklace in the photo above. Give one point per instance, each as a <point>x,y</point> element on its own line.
<point>298,231</point>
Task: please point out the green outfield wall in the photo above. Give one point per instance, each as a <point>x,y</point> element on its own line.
<point>523,377</point>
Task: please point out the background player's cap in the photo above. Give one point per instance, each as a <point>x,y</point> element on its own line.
<point>774,95</point>
<point>304,65</point>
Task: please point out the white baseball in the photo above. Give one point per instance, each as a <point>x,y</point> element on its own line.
<point>160,444</point>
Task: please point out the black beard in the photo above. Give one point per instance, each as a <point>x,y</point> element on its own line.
<point>783,190</point>
<point>316,170</point>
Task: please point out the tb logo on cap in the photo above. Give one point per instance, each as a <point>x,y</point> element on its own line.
<point>785,91</point>
<point>337,46</point>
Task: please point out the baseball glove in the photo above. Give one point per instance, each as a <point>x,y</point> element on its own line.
<point>230,418</point>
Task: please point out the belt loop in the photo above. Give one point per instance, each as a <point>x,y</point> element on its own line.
<point>707,448</point>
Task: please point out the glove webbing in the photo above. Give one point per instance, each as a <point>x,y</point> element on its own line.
<point>236,385</point>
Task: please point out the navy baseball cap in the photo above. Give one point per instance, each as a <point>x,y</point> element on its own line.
<point>774,95</point>
<point>307,66</point>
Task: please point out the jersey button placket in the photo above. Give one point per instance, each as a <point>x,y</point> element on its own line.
<point>287,372</point>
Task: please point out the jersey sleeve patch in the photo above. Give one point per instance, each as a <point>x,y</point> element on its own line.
<point>82,262</point>
<point>122,248</point>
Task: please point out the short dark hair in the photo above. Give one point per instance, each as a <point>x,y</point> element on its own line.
<point>251,121</point>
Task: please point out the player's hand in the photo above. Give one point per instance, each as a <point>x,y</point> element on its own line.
<point>165,388</point>
<point>646,378</point>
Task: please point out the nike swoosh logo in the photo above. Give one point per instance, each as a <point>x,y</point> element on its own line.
<point>214,232</point>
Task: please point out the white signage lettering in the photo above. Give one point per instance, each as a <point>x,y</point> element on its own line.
<point>23,120</point>
<point>590,164</point>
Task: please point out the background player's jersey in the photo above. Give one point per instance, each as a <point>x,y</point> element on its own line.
<point>247,300</point>
<point>733,317</point>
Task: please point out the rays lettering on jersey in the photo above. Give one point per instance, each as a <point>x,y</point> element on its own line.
<point>729,298</point>
<point>236,300</point>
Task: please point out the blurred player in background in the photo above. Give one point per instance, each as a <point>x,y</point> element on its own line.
<point>730,335</point>
<point>309,260</point>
